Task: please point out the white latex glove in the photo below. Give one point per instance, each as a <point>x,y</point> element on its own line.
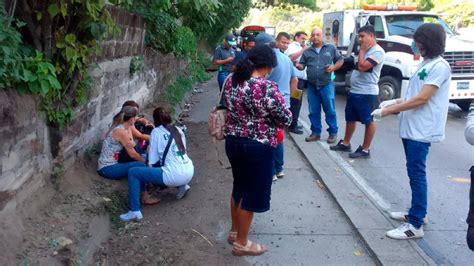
<point>387,103</point>
<point>377,113</point>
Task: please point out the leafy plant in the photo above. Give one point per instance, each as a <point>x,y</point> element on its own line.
<point>161,28</point>
<point>136,64</point>
<point>65,35</point>
<point>185,43</point>
<point>10,41</point>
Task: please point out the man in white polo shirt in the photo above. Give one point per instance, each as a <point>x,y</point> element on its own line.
<point>295,50</point>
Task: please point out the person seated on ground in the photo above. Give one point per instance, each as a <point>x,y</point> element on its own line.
<point>119,138</point>
<point>141,131</point>
<point>169,163</point>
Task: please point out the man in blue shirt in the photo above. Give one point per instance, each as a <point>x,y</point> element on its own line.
<point>321,60</point>
<point>223,57</point>
<point>285,77</point>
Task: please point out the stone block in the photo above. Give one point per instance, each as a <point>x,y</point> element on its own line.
<point>106,106</point>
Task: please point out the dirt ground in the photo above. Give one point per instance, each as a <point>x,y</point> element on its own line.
<point>79,223</point>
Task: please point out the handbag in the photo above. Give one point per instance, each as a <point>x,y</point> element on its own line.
<point>217,117</point>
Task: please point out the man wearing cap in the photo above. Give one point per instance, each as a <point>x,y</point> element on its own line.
<point>284,76</point>
<point>223,57</point>
<point>249,43</point>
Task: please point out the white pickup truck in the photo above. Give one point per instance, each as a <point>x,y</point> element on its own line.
<point>394,31</point>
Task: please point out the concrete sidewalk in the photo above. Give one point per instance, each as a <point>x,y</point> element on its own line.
<point>305,224</point>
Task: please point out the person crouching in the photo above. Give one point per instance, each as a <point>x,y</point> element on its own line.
<point>169,164</point>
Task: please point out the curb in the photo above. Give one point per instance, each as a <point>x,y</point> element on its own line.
<point>366,216</point>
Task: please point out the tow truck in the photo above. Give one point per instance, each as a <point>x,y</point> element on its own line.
<point>394,28</point>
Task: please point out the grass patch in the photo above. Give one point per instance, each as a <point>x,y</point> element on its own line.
<point>195,73</point>
<point>116,204</point>
<point>174,94</point>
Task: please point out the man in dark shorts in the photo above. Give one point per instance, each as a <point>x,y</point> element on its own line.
<point>362,98</point>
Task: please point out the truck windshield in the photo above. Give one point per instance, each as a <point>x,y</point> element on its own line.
<point>406,25</point>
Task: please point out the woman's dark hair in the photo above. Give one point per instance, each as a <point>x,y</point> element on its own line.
<point>118,118</point>
<point>129,112</point>
<point>162,117</point>
<point>259,57</point>
<point>126,113</point>
<point>433,39</point>
<point>131,103</point>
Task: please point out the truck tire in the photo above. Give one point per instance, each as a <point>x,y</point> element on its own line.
<point>463,104</point>
<point>389,88</point>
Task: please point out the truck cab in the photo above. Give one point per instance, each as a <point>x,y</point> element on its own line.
<point>394,31</point>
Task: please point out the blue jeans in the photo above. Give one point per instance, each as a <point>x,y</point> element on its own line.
<point>137,178</point>
<point>323,96</point>
<point>278,158</point>
<point>221,76</point>
<point>416,153</point>
<point>118,170</point>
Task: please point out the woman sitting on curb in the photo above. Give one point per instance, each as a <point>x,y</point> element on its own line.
<point>173,168</point>
<point>120,137</point>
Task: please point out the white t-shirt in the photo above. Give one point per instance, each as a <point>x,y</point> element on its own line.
<point>426,123</point>
<point>295,47</point>
<point>178,169</point>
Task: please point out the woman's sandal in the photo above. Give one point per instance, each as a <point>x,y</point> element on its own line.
<point>232,237</point>
<point>149,200</point>
<point>251,249</point>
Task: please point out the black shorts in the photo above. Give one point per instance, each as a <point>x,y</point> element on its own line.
<point>359,107</point>
<point>252,166</point>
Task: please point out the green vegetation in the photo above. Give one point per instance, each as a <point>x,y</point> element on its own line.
<point>48,53</point>
<point>51,56</point>
<point>136,64</point>
<point>116,204</point>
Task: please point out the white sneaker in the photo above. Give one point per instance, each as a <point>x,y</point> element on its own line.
<point>274,178</point>
<point>280,174</point>
<point>406,231</point>
<point>131,216</point>
<point>403,216</point>
<point>181,191</point>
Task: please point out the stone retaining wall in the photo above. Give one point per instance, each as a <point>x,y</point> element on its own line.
<point>30,149</point>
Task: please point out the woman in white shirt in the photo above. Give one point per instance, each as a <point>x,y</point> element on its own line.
<point>423,115</point>
<point>169,164</point>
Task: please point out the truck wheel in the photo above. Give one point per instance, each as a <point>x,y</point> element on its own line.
<point>464,104</point>
<point>389,88</point>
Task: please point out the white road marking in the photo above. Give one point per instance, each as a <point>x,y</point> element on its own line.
<point>375,197</point>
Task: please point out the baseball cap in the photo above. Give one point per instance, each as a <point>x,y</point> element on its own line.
<point>264,38</point>
<point>230,39</point>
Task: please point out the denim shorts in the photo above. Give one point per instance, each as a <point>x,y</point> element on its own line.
<point>359,107</point>
<point>252,166</point>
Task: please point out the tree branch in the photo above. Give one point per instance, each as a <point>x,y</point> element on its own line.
<point>26,15</point>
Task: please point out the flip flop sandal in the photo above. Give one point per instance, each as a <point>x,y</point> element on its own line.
<point>232,237</point>
<point>251,249</point>
<point>150,200</point>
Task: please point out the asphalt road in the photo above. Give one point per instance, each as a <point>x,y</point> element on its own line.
<point>448,180</point>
